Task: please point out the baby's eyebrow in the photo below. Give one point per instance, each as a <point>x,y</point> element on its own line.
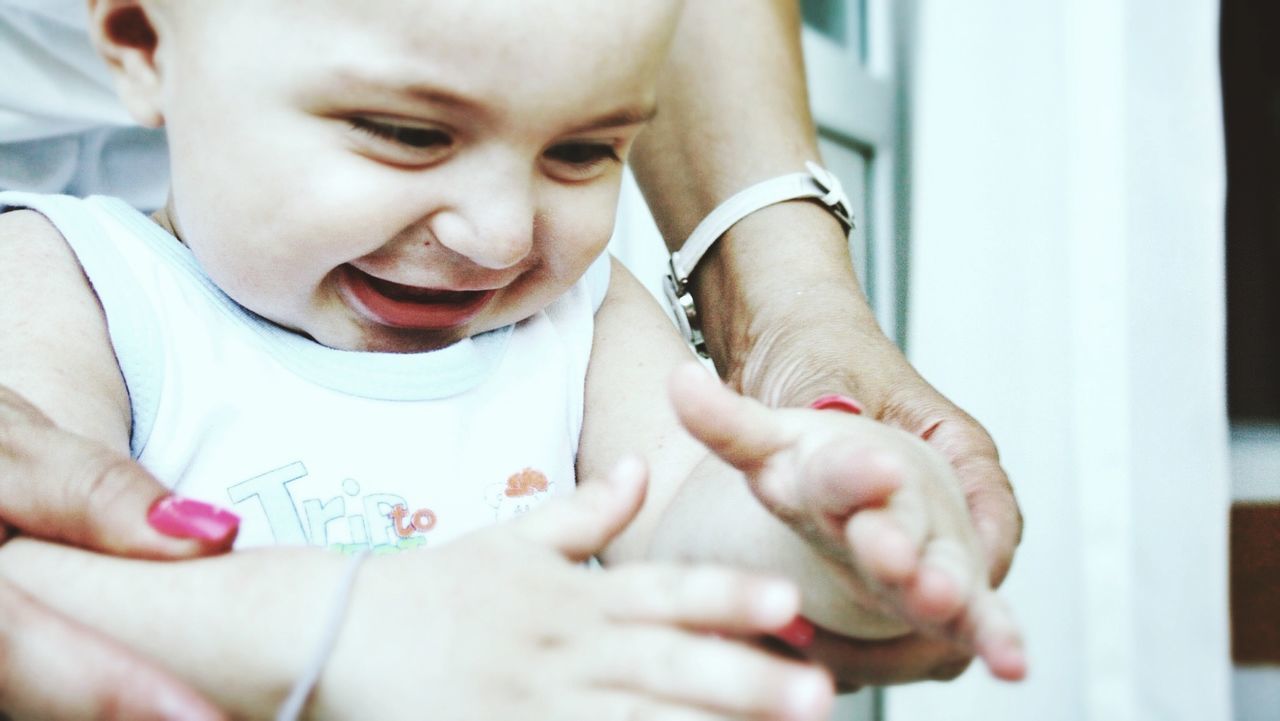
<point>352,80</point>
<point>619,118</point>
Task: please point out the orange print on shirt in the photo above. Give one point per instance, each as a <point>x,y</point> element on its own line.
<point>525,483</point>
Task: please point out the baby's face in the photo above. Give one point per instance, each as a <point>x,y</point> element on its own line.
<point>395,175</point>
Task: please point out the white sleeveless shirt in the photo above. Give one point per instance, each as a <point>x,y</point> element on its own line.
<point>312,445</point>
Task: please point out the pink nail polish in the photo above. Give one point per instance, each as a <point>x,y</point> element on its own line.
<point>928,433</point>
<point>799,633</point>
<point>837,402</point>
<point>187,518</point>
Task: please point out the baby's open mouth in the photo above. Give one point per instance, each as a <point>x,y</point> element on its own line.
<point>408,306</point>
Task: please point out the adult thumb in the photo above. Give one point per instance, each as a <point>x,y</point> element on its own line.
<point>582,525</point>
<point>64,487</point>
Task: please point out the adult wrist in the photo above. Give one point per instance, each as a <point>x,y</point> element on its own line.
<point>814,183</point>
<point>742,276</point>
<point>763,325</point>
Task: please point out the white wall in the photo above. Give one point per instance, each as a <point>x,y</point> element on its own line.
<point>1067,290</point>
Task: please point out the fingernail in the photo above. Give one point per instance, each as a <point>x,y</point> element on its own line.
<point>928,432</point>
<point>837,402</point>
<point>187,518</point>
<point>798,634</point>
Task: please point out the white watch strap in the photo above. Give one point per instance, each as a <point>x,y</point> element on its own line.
<point>816,183</point>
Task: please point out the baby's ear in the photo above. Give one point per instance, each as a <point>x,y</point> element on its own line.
<point>124,33</point>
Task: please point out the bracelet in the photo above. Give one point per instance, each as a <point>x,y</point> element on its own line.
<point>816,183</point>
<point>292,707</point>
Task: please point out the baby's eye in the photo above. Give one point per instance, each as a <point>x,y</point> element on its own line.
<point>581,160</point>
<point>582,153</point>
<point>401,144</point>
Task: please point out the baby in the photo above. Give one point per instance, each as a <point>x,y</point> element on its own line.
<point>376,313</point>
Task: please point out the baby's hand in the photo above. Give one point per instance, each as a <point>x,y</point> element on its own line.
<point>506,623</point>
<point>879,505</point>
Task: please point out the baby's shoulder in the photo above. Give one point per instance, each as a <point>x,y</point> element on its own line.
<point>25,228</point>
<point>32,249</point>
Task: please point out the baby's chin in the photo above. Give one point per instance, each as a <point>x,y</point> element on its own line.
<point>371,338</point>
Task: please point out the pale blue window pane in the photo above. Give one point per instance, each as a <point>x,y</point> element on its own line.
<point>843,22</point>
<point>852,166</point>
<point>827,17</point>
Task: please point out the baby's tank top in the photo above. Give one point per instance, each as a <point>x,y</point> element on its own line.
<point>311,445</point>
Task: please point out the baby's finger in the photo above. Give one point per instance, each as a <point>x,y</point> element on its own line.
<point>997,638</point>
<point>845,475</point>
<point>740,430</point>
<point>627,705</point>
<point>704,597</point>
<point>583,524</point>
<point>719,675</point>
<point>944,583</point>
<point>885,550</point>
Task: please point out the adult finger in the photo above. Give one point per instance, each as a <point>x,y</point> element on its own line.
<point>64,487</point>
<point>972,454</point>
<point>51,668</point>
<point>582,525</point>
<point>856,663</point>
<point>994,510</point>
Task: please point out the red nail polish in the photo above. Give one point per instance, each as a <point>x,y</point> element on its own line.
<point>799,633</point>
<point>837,402</point>
<point>187,518</point>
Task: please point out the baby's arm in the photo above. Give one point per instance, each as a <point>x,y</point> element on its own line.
<point>873,531</point>
<point>503,623</point>
<point>53,335</point>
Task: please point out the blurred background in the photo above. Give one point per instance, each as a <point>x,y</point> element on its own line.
<point>1052,221</point>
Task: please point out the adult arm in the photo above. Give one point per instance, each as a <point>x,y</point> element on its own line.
<point>733,112</point>
<point>64,486</point>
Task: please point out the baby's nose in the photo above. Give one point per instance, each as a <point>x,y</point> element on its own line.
<point>494,236</point>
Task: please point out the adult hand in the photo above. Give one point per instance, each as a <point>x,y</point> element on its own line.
<point>785,369</point>
<point>877,504</point>
<point>843,351</point>
<point>63,487</point>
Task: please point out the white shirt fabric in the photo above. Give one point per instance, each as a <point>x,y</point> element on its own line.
<point>312,445</point>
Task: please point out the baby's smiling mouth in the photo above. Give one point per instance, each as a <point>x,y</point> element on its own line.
<point>407,306</point>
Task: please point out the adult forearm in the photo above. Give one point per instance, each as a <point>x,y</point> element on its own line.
<point>237,627</point>
<point>734,111</point>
